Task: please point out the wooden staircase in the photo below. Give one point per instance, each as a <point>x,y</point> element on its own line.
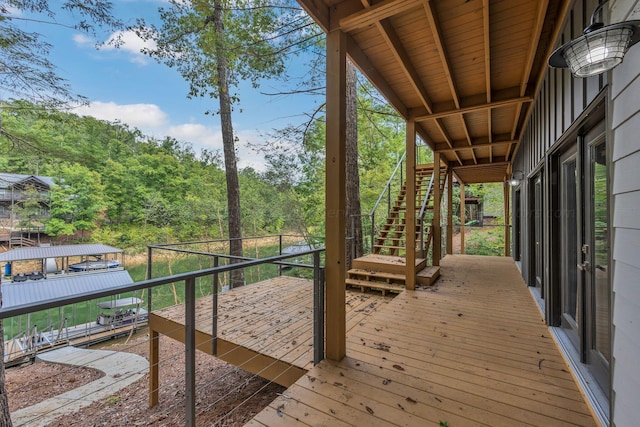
<point>385,269</point>
<point>392,238</point>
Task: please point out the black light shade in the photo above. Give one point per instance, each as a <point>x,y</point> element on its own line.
<point>600,48</point>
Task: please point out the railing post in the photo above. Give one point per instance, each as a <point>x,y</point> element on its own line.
<point>214,318</point>
<point>190,351</point>
<point>373,229</point>
<point>149,277</point>
<point>279,253</point>
<point>318,310</point>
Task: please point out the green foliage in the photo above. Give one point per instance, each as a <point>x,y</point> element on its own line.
<point>487,240</point>
<point>136,189</point>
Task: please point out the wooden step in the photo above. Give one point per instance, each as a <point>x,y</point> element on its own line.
<point>365,285</point>
<point>428,275</point>
<point>371,275</point>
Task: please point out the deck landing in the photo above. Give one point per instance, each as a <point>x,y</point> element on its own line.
<point>265,328</point>
<point>472,350</point>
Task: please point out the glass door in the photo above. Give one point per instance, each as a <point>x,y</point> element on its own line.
<point>570,294</point>
<point>595,259</point>
<point>537,235</point>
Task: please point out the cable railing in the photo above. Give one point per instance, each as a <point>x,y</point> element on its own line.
<point>189,279</point>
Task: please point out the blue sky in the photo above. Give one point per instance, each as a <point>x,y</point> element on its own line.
<point>124,85</point>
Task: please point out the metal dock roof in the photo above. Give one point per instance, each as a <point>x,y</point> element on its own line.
<point>42,252</point>
<point>58,286</point>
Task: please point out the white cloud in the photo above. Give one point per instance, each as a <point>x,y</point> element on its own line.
<point>152,121</point>
<point>142,116</point>
<point>127,41</point>
<point>131,43</point>
<point>198,134</point>
<point>83,40</point>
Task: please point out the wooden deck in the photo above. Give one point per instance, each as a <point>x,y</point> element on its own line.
<point>265,328</point>
<point>472,350</point>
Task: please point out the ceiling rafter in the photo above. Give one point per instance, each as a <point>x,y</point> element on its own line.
<point>466,132</point>
<point>470,109</point>
<point>457,146</point>
<point>364,65</point>
<point>535,40</point>
<point>436,31</point>
<point>487,66</point>
<point>563,11</point>
<point>376,13</point>
<point>402,57</point>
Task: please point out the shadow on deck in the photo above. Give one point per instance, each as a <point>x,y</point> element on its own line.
<point>472,350</point>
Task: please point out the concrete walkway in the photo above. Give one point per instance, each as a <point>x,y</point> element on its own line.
<point>120,369</point>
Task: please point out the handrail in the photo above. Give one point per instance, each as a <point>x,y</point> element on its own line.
<point>388,186</point>
<point>144,284</point>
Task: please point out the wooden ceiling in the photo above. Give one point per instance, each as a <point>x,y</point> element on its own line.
<point>466,71</point>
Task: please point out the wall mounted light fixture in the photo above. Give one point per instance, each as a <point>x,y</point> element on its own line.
<point>599,49</point>
<point>516,177</point>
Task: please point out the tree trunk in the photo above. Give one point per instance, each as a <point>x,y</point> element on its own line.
<point>5,415</point>
<point>353,220</point>
<point>231,168</point>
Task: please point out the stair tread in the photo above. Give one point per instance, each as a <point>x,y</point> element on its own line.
<point>374,285</point>
<point>373,274</point>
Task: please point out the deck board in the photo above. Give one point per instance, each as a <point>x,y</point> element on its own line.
<point>265,328</point>
<point>473,350</point>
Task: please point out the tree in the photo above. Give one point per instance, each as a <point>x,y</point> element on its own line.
<point>26,72</point>
<point>214,44</point>
<point>353,212</point>
<point>76,201</point>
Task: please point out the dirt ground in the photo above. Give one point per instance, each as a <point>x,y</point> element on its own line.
<point>226,395</point>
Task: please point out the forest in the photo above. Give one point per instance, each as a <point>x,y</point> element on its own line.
<point>120,187</point>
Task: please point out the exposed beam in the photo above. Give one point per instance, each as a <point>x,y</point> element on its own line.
<point>487,66</point>
<point>470,109</point>
<point>436,31</point>
<point>372,15</point>
<point>487,48</point>
<point>465,147</point>
<point>361,61</point>
<point>533,45</point>
<point>466,132</point>
<point>563,11</point>
<point>482,163</point>
<point>318,10</point>
<point>404,61</point>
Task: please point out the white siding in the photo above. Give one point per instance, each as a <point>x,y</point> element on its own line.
<point>625,125</point>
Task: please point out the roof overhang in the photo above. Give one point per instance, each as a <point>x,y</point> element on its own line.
<point>466,71</point>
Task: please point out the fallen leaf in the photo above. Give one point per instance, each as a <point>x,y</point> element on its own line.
<point>369,410</point>
<point>385,382</point>
<point>398,367</point>
<point>410,400</point>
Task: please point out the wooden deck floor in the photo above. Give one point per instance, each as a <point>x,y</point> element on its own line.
<point>265,328</point>
<point>473,350</point>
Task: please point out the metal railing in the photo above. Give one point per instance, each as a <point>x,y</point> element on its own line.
<point>189,280</point>
<point>423,211</point>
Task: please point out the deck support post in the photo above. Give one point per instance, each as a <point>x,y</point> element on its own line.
<point>335,195</point>
<point>190,351</point>
<point>507,223</point>
<point>449,210</point>
<point>154,354</point>
<point>463,211</point>
<point>410,203</point>
<point>437,199</point>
